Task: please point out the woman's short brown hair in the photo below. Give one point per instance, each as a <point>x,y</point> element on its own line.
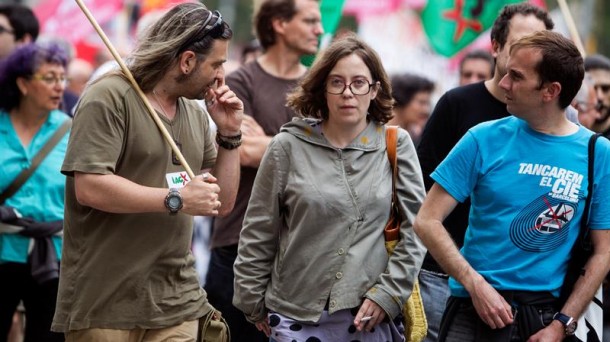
<point>309,98</point>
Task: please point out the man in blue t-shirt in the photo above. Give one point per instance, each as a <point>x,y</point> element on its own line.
<point>527,178</point>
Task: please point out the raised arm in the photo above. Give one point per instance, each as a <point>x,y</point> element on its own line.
<point>227,111</point>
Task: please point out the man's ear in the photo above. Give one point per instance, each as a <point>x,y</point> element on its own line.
<point>495,48</point>
<point>188,60</point>
<point>278,25</point>
<point>552,90</point>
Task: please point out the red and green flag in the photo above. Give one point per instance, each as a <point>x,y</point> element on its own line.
<point>453,24</point>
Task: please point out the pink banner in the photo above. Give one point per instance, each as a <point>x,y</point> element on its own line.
<point>363,8</point>
<point>63,18</point>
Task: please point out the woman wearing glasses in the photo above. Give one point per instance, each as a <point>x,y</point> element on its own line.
<point>32,81</point>
<point>311,260</point>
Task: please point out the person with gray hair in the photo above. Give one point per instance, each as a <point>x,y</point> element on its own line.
<point>586,103</point>
<point>127,267</point>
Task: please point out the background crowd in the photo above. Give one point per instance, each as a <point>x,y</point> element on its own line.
<point>43,78</point>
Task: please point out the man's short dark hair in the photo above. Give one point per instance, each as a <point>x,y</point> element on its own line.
<point>22,20</point>
<point>596,62</point>
<point>479,54</point>
<point>499,31</point>
<point>405,86</point>
<point>264,15</point>
<point>561,62</point>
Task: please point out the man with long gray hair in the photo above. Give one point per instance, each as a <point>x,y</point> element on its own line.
<point>127,272</point>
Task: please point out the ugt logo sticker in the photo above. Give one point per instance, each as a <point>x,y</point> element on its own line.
<point>177,179</point>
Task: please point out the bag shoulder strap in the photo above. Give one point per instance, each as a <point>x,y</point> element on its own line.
<point>391,138</point>
<point>40,156</point>
<point>584,222</point>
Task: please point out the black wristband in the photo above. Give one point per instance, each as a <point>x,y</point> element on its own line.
<point>229,138</point>
<point>226,143</point>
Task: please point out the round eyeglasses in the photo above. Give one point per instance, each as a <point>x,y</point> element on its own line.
<point>337,86</point>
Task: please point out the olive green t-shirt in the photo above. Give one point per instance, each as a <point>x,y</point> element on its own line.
<point>125,271</point>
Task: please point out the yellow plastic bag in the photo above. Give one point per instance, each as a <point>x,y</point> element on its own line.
<point>416,325</point>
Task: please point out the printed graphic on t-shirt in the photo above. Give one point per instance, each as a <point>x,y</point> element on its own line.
<point>564,184</point>
<point>543,224</point>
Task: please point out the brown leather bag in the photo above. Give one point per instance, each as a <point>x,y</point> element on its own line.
<point>416,325</point>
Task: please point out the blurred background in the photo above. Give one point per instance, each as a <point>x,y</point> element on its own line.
<point>400,30</point>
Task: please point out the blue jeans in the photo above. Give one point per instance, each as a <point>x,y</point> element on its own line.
<point>434,289</point>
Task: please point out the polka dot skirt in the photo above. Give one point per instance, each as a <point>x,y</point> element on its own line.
<point>338,327</point>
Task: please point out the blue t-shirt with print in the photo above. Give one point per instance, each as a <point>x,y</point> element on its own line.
<point>528,192</point>
<point>41,197</point>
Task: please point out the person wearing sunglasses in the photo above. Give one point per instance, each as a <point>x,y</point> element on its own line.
<point>18,26</point>
<point>32,80</point>
<point>598,66</point>
<point>311,263</point>
<point>128,271</point>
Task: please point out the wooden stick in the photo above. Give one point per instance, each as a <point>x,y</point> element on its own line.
<point>567,15</point>
<point>135,85</point>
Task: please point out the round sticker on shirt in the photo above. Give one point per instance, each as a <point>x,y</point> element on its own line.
<point>543,224</point>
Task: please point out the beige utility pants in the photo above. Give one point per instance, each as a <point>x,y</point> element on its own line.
<point>185,332</point>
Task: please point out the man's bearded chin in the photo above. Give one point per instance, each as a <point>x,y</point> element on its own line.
<point>605,114</point>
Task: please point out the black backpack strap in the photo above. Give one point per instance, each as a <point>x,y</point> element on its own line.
<point>584,222</point>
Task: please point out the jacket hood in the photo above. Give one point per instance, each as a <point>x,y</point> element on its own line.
<point>310,130</point>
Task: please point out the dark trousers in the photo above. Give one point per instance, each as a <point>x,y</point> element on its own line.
<point>219,287</point>
<point>16,284</point>
<point>462,323</point>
